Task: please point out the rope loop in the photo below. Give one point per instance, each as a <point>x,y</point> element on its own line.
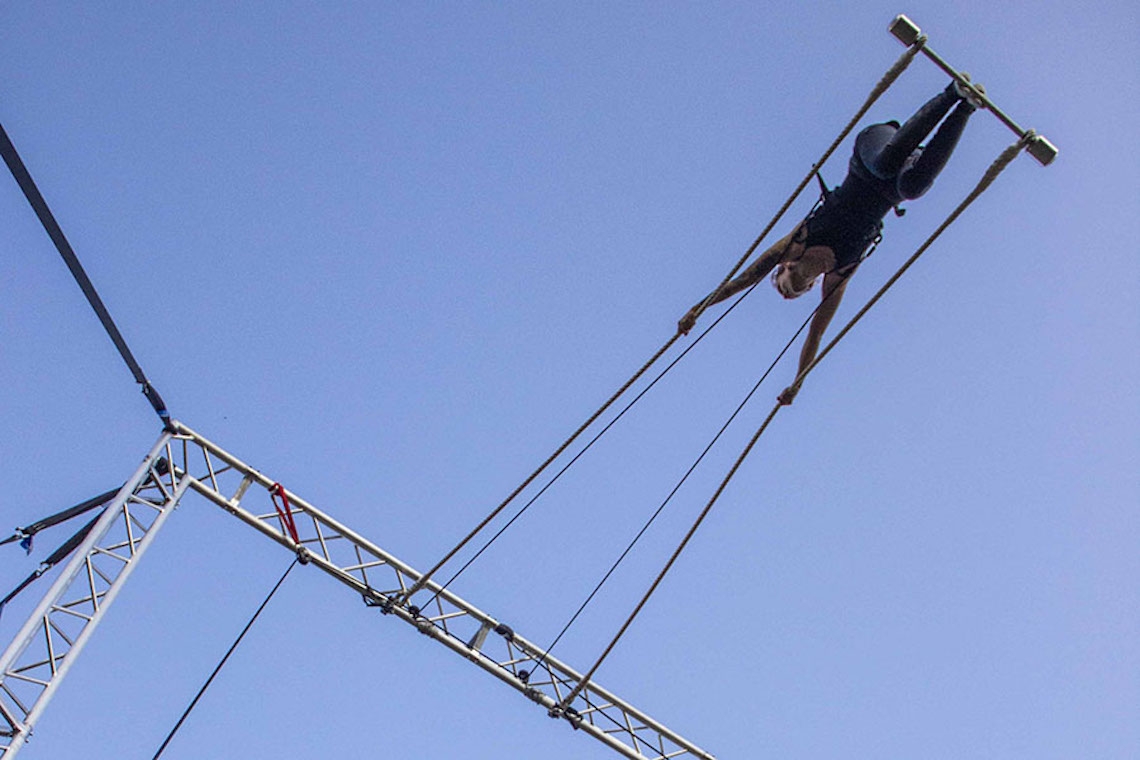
<point>285,512</point>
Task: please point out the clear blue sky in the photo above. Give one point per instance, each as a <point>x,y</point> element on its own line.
<point>392,254</point>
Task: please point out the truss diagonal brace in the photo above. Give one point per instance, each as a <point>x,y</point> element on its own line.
<point>31,668</point>
<point>383,580</point>
<point>33,665</point>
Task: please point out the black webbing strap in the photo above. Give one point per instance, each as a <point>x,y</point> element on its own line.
<point>24,535</point>
<point>823,191</point>
<point>39,205</point>
<point>56,557</point>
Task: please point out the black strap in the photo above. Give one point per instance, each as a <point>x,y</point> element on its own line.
<point>39,205</point>
<point>56,557</point>
<point>24,535</point>
<point>823,191</point>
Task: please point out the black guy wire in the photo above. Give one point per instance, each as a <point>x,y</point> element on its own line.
<point>39,205</point>
<point>585,448</point>
<point>193,702</point>
<point>688,472</point>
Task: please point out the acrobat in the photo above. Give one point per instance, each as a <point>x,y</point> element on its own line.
<point>888,166</point>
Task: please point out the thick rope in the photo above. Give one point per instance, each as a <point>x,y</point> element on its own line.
<point>419,584</point>
<point>487,544</point>
<point>883,84</point>
<point>996,168</point>
<point>987,179</point>
<point>692,468</point>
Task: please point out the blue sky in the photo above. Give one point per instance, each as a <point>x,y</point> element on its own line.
<point>392,254</point>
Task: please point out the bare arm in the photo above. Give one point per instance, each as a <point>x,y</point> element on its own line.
<point>756,272</point>
<point>834,286</point>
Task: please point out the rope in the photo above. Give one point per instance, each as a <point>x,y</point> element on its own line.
<point>883,84</point>
<point>987,179</point>
<point>880,87</point>
<point>419,584</point>
<point>198,696</point>
<point>39,205</point>
<point>585,448</point>
<point>691,469</point>
<point>996,168</point>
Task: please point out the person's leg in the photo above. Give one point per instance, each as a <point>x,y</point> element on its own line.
<point>917,179</point>
<point>889,161</point>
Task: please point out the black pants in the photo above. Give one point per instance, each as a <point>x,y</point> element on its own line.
<point>893,156</point>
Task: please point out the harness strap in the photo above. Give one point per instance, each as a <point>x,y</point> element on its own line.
<point>823,191</point>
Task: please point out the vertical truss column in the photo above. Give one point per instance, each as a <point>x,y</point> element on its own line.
<point>55,633</point>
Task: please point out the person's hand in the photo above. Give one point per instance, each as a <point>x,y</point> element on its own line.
<point>788,395</point>
<point>687,322</point>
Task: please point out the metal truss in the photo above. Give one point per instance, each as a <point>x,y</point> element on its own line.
<point>320,541</point>
<point>53,636</point>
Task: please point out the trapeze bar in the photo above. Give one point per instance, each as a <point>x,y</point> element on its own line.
<point>908,33</point>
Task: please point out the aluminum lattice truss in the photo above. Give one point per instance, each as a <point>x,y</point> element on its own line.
<point>55,633</point>
<point>30,673</point>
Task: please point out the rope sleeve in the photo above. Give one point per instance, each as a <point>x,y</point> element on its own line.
<point>24,535</point>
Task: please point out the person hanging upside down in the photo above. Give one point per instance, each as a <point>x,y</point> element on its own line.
<point>888,165</point>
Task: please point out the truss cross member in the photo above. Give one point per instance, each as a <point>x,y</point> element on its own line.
<point>379,577</point>
<point>33,665</point>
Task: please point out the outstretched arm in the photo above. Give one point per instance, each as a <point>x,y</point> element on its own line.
<point>755,272</point>
<point>833,287</point>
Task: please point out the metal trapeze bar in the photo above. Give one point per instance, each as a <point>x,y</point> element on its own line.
<point>383,581</point>
<point>907,32</point>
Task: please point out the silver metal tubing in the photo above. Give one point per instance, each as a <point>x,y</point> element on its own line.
<point>37,660</point>
<point>906,32</point>
<point>378,576</point>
